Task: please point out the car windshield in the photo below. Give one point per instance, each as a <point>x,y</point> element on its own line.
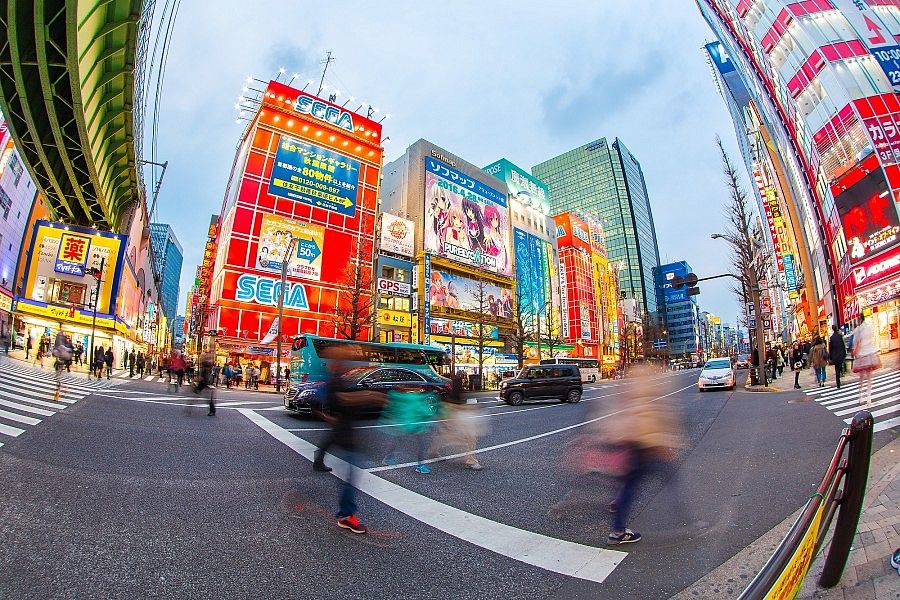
<point>722,363</point>
<point>354,375</point>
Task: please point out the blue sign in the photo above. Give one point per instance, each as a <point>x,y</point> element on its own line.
<point>315,176</point>
<point>889,59</point>
<point>790,274</point>
<point>669,272</point>
<point>427,312</point>
<point>531,272</point>
<point>719,55</point>
<point>308,250</point>
<point>265,290</point>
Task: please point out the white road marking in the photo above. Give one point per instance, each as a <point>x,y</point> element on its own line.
<point>559,556</point>
<point>5,414</point>
<point>29,409</point>
<point>515,442</point>
<point>851,385</point>
<point>149,378</point>
<point>11,431</point>
<point>889,424</point>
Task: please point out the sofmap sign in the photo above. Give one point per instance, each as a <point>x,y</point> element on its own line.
<point>265,290</point>
<point>315,176</point>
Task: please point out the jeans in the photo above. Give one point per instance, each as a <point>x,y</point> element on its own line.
<point>820,374</point>
<point>348,493</point>
<point>626,494</point>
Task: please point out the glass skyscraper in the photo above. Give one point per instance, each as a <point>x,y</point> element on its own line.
<point>168,255</point>
<point>605,182</point>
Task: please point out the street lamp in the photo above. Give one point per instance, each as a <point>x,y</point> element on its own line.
<point>98,275</point>
<point>284,267</point>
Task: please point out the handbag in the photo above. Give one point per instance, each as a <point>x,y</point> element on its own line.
<point>607,459</point>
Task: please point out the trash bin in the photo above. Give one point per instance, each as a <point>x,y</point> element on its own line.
<point>754,375</point>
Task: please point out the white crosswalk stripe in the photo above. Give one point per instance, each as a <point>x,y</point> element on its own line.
<point>27,395</point>
<point>844,402</point>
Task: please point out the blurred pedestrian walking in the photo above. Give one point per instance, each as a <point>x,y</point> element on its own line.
<point>457,431</point>
<point>797,363</point>
<point>109,358</point>
<point>865,358</point>
<point>407,415</point>
<point>207,364</point>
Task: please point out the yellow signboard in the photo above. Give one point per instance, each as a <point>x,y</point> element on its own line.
<point>275,235</point>
<point>788,584</point>
<point>5,302</point>
<point>394,318</point>
<point>61,313</point>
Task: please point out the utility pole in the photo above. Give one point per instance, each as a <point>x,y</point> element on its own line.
<point>328,60</point>
<point>98,275</point>
<point>284,268</point>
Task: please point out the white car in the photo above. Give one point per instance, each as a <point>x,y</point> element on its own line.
<point>717,373</point>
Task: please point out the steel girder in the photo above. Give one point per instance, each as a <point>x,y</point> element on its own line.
<point>67,85</point>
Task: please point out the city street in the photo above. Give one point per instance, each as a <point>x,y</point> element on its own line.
<point>132,491</point>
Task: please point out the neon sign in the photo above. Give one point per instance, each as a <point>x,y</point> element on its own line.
<point>307,105</point>
<point>265,290</point>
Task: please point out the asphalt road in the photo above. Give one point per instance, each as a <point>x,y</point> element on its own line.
<point>132,491</point>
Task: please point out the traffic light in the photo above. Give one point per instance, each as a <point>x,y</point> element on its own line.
<point>690,281</point>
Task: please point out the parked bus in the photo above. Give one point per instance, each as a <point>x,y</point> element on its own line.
<point>589,367</point>
<point>308,352</point>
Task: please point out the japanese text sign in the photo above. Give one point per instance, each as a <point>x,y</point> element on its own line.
<point>315,176</point>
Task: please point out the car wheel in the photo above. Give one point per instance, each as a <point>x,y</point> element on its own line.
<point>573,397</point>
<point>515,399</point>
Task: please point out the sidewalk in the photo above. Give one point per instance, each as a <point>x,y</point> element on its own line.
<point>868,574</point>
<point>890,361</point>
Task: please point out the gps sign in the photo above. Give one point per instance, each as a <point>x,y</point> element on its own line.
<point>390,286</point>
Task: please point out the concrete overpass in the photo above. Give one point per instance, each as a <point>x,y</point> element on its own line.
<point>67,89</point>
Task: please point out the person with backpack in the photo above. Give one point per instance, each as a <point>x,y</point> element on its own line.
<point>818,359</point>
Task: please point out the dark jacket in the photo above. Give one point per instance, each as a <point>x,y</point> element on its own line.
<point>109,358</point>
<point>796,358</point>
<point>837,350</point>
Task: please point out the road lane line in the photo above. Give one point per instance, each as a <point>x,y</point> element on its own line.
<point>11,431</point>
<point>5,414</point>
<point>559,556</point>
<point>29,409</point>
<point>515,442</point>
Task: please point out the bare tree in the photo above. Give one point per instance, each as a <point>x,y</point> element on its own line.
<point>747,261</point>
<point>524,321</point>
<point>550,336</point>
<point>354,316</point>
<point>483,317</point>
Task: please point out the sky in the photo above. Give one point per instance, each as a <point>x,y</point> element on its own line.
<point>483,79</point>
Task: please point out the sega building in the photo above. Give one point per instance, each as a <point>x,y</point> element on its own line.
<point>576,283</point>
<point>463,280</point>
<point>303,189</point>
<point>822,107</point>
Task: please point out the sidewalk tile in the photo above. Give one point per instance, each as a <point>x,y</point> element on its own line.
<point>887,587</point>
<point>862,591</point>
<point>873,568</point>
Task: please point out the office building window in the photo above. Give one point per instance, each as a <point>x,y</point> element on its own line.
<point>5,203</point>
<point>15,165</point>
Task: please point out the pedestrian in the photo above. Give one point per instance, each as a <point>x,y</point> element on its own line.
<point>131,363</point>
<point>227,373</point>
<point>779,360</point>
<point>837,352</point>
<point>207,363</point>
<point>865,358</point>
<point>79,351</point>
<point>28,345</point>
<point>99,358</point>
<point>177,367</point>
<point>457,430</point>
<point>109,359</point>
<point>407,414</point>
<point>140,364</point>
<point>818,359</point>
<point>797,363</point>
<point>342,408</point>
<point>62,353</point>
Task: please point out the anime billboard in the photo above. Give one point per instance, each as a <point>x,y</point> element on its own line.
<point>465,220</point>
<point>447,290</point>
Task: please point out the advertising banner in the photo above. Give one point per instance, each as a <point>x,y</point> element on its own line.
<point>869,217</point>
<point>78,249</point>
<point>274,237</point>
<point>394,318</point>
<point>315,176</point>
<point>668,273</point>
<point>462,329</point>
<point>389,286</point>
<point>465,220</point>
<point>426,309</point>
<point>454,291</point>
<point>522,185</point>
<point>572,231</point>
<point>265,291</point>
<point>532,272</point>
<point>397,235</point>
<point>875,35</point>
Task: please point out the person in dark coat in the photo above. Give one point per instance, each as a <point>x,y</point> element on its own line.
<point>837,352</point>
<point>109,360</point>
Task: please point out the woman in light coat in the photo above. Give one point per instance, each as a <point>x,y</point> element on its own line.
<point>865,358</point>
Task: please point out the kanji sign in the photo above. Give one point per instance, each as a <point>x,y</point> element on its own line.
<point>73,254</point>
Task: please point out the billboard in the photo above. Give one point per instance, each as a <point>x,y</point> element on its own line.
<point>533,257</point>
<point>666,274</point>
<point>522,186</point>
<point>73,254</point>
<point>275,235</point>
<point>572,232</point>
<point>465,220</point>
<point>868,216</point>
<point>877,37</point>
<point>315,176</point>
<point>397,235</point>
<point>462,329</point>
<point>447,290</point>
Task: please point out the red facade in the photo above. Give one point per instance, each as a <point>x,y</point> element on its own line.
<point>576,268</point>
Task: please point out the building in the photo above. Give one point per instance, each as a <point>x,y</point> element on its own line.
<point>169,256</point>
<point>682,315</point>
<point>303,190</point>
<point>536,257</point>
<point>810,89</point>
<point>178,334</point>
<point>606,181</point>
<point>580,302</point>
<point>464,266</point>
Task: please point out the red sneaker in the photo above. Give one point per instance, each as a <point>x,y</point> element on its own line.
<point>352,523</point>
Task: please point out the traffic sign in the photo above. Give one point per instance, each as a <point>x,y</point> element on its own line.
<point>690,280</point>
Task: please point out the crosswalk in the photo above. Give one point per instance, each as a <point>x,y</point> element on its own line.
<point>844,402</point>
<point>27,395</point>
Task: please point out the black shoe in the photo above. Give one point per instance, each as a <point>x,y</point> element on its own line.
<point>318,466</point>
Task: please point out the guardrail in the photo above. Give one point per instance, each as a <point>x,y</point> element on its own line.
<point>842,492</point>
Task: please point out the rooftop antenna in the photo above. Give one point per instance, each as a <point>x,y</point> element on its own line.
<point>328,60</point>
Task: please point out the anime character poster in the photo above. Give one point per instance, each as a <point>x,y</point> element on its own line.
<point>465,220</point>
<point>453,291</point>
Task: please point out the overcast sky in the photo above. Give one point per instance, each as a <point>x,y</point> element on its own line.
<point>484,80</point>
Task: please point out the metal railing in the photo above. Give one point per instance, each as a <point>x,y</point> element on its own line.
<point>841,492</point>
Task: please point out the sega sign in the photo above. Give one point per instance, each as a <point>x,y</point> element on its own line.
<point>265,290</point>
<point>390,286</point>
<point>308,105</point>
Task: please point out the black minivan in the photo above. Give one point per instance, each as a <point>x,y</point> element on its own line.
<point>541,382</point>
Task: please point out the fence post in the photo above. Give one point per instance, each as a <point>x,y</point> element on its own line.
<point>851,499</point>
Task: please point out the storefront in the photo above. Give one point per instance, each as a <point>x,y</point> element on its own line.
<point>395,319</point>
<point>882,304</point>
